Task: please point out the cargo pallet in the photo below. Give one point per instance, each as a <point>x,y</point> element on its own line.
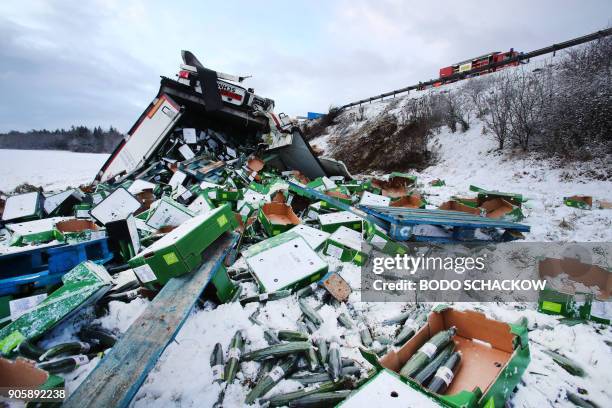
<point>445,226</point>
<point>36,268</point>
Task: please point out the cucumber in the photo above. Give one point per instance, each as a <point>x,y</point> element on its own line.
<point>334,362</point>
<point>321,344</point>
<point>345,321</point>
<point>310,378</point>
<point>364,333</point>
<point>264,297</point>
<point>308,290</point>
<point>278,350</point>
<point>401,318</point>
<point>264,369</point>
<point>271,337</point>
<point>427,351</point>
<point>233,357</point>
<point>29,350</point>
<point>271,379</point>
<point>313,361</point>
<point>567,364</point>
<point>445,374</point>
<point>410,328</point>
<point>70,348</point>
<point>216,363</point>
<point>254,318</point>
<point>310,313</point>
<point>291,335</point>
<point>63,364</point>
<point>429,370</point>
<point>97,336</point>
<point>281,400</point>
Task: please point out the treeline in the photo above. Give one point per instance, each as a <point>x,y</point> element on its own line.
<point>76,139</point>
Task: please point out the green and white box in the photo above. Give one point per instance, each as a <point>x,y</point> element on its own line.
<point>167,213</point>
<point>332,221</point>
<point>201,204</point>
<point>285,261</point>
<point>368,198</point>
<point>314,237</point>
<point>26,206</point>
<point>180,251</point>
<point>345,244</point>
<point>116,206</point>
<point>386,389</point>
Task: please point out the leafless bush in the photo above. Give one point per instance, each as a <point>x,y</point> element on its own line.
<point>498,103</point>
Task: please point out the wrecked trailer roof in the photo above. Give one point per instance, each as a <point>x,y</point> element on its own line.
<point>177,104</point>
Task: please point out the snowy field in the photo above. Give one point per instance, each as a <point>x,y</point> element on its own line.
<point>49,169</point>
<point>183,376</point>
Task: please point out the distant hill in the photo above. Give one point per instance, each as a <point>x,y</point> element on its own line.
<point>75,139</point>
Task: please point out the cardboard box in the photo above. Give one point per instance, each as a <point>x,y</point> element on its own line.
<point>453,205</point>
<point>376,236</point>
<point>82,210</point>
<point>514,198</point>
<point>63,203</point>
<point>345,244</point>
<point>180,251</point>
<point>201,204</point>
<point>79,229</point>
<point>337,195</point>
<point>277,217</point>
<point>501,208</point>
<point>582,202</point>
<point>28,206</point>
<point>368,198</point>
<point>82,285</point>
<point>167,213</point>
<point>123,237</point>
<point>568,300</point>
<point>332,221</point>
<point>35,232</point>
<point>285,261</point>
<point>494,357</point>
<point>117,206</point>
<point>388,390</point>
<point>409,201</point>
<point>397,185</point>
<point>314,237</point>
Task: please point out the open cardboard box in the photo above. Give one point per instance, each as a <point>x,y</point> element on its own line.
<point>277,218</point>
<point>395,187</point>
<point>494,357</point>
<point>453,205</point>
<point>409,201</point>
<point>583,202</point>
<point>567,301</point>
<point>499,207</point>
<point>75,226</point>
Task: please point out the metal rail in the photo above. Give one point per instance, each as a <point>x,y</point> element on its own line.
<point>520,57</point>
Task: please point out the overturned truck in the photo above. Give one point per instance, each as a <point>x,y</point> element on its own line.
<point>211,111</point>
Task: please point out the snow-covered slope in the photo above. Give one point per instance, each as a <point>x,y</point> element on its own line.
<point>50,169</point>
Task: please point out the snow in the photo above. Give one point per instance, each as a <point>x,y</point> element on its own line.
<point>50,169</point>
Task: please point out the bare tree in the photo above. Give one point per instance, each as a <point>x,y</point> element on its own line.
<point>498,103</point>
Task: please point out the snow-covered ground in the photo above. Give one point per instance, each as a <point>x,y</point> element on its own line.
<point>183,376</point>
<point>50,169</point>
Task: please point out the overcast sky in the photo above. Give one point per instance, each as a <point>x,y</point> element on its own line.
<point>98,62</point>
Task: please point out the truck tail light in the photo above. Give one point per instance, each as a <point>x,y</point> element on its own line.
<point>184,74</point>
